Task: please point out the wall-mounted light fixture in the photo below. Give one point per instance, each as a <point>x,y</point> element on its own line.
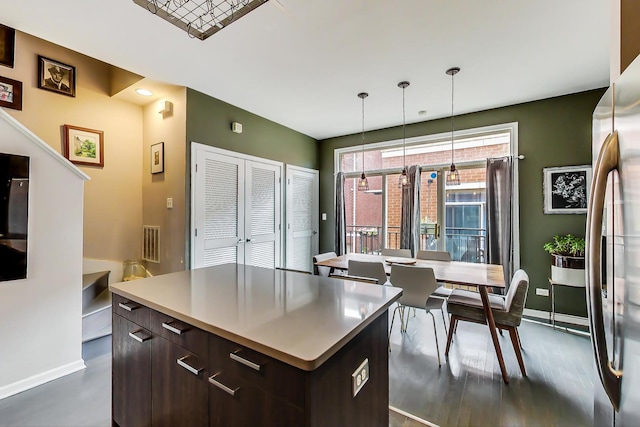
<point>164,107</point>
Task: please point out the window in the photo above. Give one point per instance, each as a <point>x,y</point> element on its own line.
<point>452,218</point>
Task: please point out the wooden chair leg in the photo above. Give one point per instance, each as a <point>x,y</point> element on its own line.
<point>516,347</point>
<point>518,336</point>
<point>452,328</point>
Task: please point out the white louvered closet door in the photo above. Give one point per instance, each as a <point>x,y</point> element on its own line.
<point>262,214</point>
<point>219,210</point>
<point>302,217</point>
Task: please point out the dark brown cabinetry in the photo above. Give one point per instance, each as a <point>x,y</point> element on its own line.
<point>180,375</point>
<point>131,379</point>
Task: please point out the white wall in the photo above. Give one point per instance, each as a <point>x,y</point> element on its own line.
<point>41,316</point>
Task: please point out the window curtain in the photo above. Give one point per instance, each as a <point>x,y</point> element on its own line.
<point>499,210</point>
<point>341,218</point>
<point>410,218</point>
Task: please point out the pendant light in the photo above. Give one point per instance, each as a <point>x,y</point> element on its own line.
<point>404,177</point>
<point>453,178</point>
<point>363,184</point>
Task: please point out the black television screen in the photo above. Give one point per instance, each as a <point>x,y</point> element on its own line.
<point>14,204</point>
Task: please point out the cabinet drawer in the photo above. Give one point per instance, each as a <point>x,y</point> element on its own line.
<point>178,332</point>
<point>130,310</point>
<point>236,403</point>
<point>264,372</point>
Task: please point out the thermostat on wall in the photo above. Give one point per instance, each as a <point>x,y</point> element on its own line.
<point>236,127</point>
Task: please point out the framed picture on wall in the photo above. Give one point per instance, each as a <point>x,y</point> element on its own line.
<point>7,45</point>
<point>56,76</point>
<point>566,189</point>
<point>10,93</point>
<point>157,158</point>
<point>84,146</point>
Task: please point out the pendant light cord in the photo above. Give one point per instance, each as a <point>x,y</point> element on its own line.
<point>452,74</point>
<point>362,97</point>
<point>404,133</point>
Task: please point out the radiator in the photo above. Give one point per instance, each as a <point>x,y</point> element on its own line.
<point>151,243</point>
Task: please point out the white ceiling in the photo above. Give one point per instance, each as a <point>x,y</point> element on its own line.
<point>301,63</point>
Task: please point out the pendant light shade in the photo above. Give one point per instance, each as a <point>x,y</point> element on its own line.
<point>404,177</point>
<point>453,177</point>
<point>363,183</point>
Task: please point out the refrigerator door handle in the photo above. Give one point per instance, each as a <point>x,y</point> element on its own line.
<point>608,160</point>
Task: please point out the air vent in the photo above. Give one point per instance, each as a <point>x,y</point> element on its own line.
<point>151,243</point>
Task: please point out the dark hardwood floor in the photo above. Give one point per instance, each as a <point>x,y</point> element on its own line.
<point>466,391</point>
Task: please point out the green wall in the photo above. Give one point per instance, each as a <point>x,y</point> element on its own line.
<point>209,122</point>
<point>551,132</point>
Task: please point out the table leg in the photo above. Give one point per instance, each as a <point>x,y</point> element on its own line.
<point>492,329</point>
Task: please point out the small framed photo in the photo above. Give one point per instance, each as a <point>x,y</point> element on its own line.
<point>566,189</point>
<point>84,146</point>
<point>7,45</point>
<point>10,93</point>
<point>56,76</point>
<point>157,158</point>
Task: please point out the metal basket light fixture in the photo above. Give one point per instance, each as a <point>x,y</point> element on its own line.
<point>200,18</point>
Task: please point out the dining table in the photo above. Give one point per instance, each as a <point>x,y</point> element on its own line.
<point>482,276</point>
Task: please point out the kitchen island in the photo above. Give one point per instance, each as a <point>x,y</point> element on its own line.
<point>236,345</point>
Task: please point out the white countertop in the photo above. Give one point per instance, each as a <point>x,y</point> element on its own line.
<point>297,318</point>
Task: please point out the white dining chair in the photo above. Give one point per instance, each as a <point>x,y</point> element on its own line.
<point>404,253</point>
<point>418,284</point>
<point>319,270</point>
<point>442,291</point>
<point>374,270</point>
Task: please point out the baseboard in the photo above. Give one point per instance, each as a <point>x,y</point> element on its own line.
<point>39,379</point>
<point>563,318</point>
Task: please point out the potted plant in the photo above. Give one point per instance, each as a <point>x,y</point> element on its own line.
<point>567,254</point>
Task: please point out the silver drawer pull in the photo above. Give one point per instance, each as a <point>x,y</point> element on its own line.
<point>252,365</point>
<point>231,391</point>
<point>129,306</point>
<point>137,338</point>
<point>173,329</point>
<point>185,365</point>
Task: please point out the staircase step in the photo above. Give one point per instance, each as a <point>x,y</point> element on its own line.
<point>99,303</point>
<point>93,284</point>
<point>96,317</point>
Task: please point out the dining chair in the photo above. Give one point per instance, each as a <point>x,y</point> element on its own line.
<point>418,284</point>
<point>404,253</point>
<point>507,311</point>
<point>434,255</point>
<point>442,291</point>
<point>374,270</point>
<point>323,271</point>
<point>369,280</point>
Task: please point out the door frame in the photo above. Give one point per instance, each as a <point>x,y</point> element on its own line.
<point>316,200</point>
<point>195,146</point>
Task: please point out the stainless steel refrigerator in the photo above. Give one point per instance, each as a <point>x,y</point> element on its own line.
<point>613,252</point>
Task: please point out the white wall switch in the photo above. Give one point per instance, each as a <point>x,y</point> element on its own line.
<point>542,292</point>
<point>169,202</point>
<point>324,216</point>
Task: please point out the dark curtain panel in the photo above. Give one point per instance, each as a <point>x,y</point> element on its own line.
<point>341,219</point>
<point>499,214</point>
<point>410,219</point>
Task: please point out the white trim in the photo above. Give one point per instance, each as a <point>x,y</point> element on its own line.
<point>433,138</point>
<point>411,416</point>
<point>515,216</point>
<point>43,145</point>
<point>564,318</point>
<point>41,378</point>
<point>196,145</point>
